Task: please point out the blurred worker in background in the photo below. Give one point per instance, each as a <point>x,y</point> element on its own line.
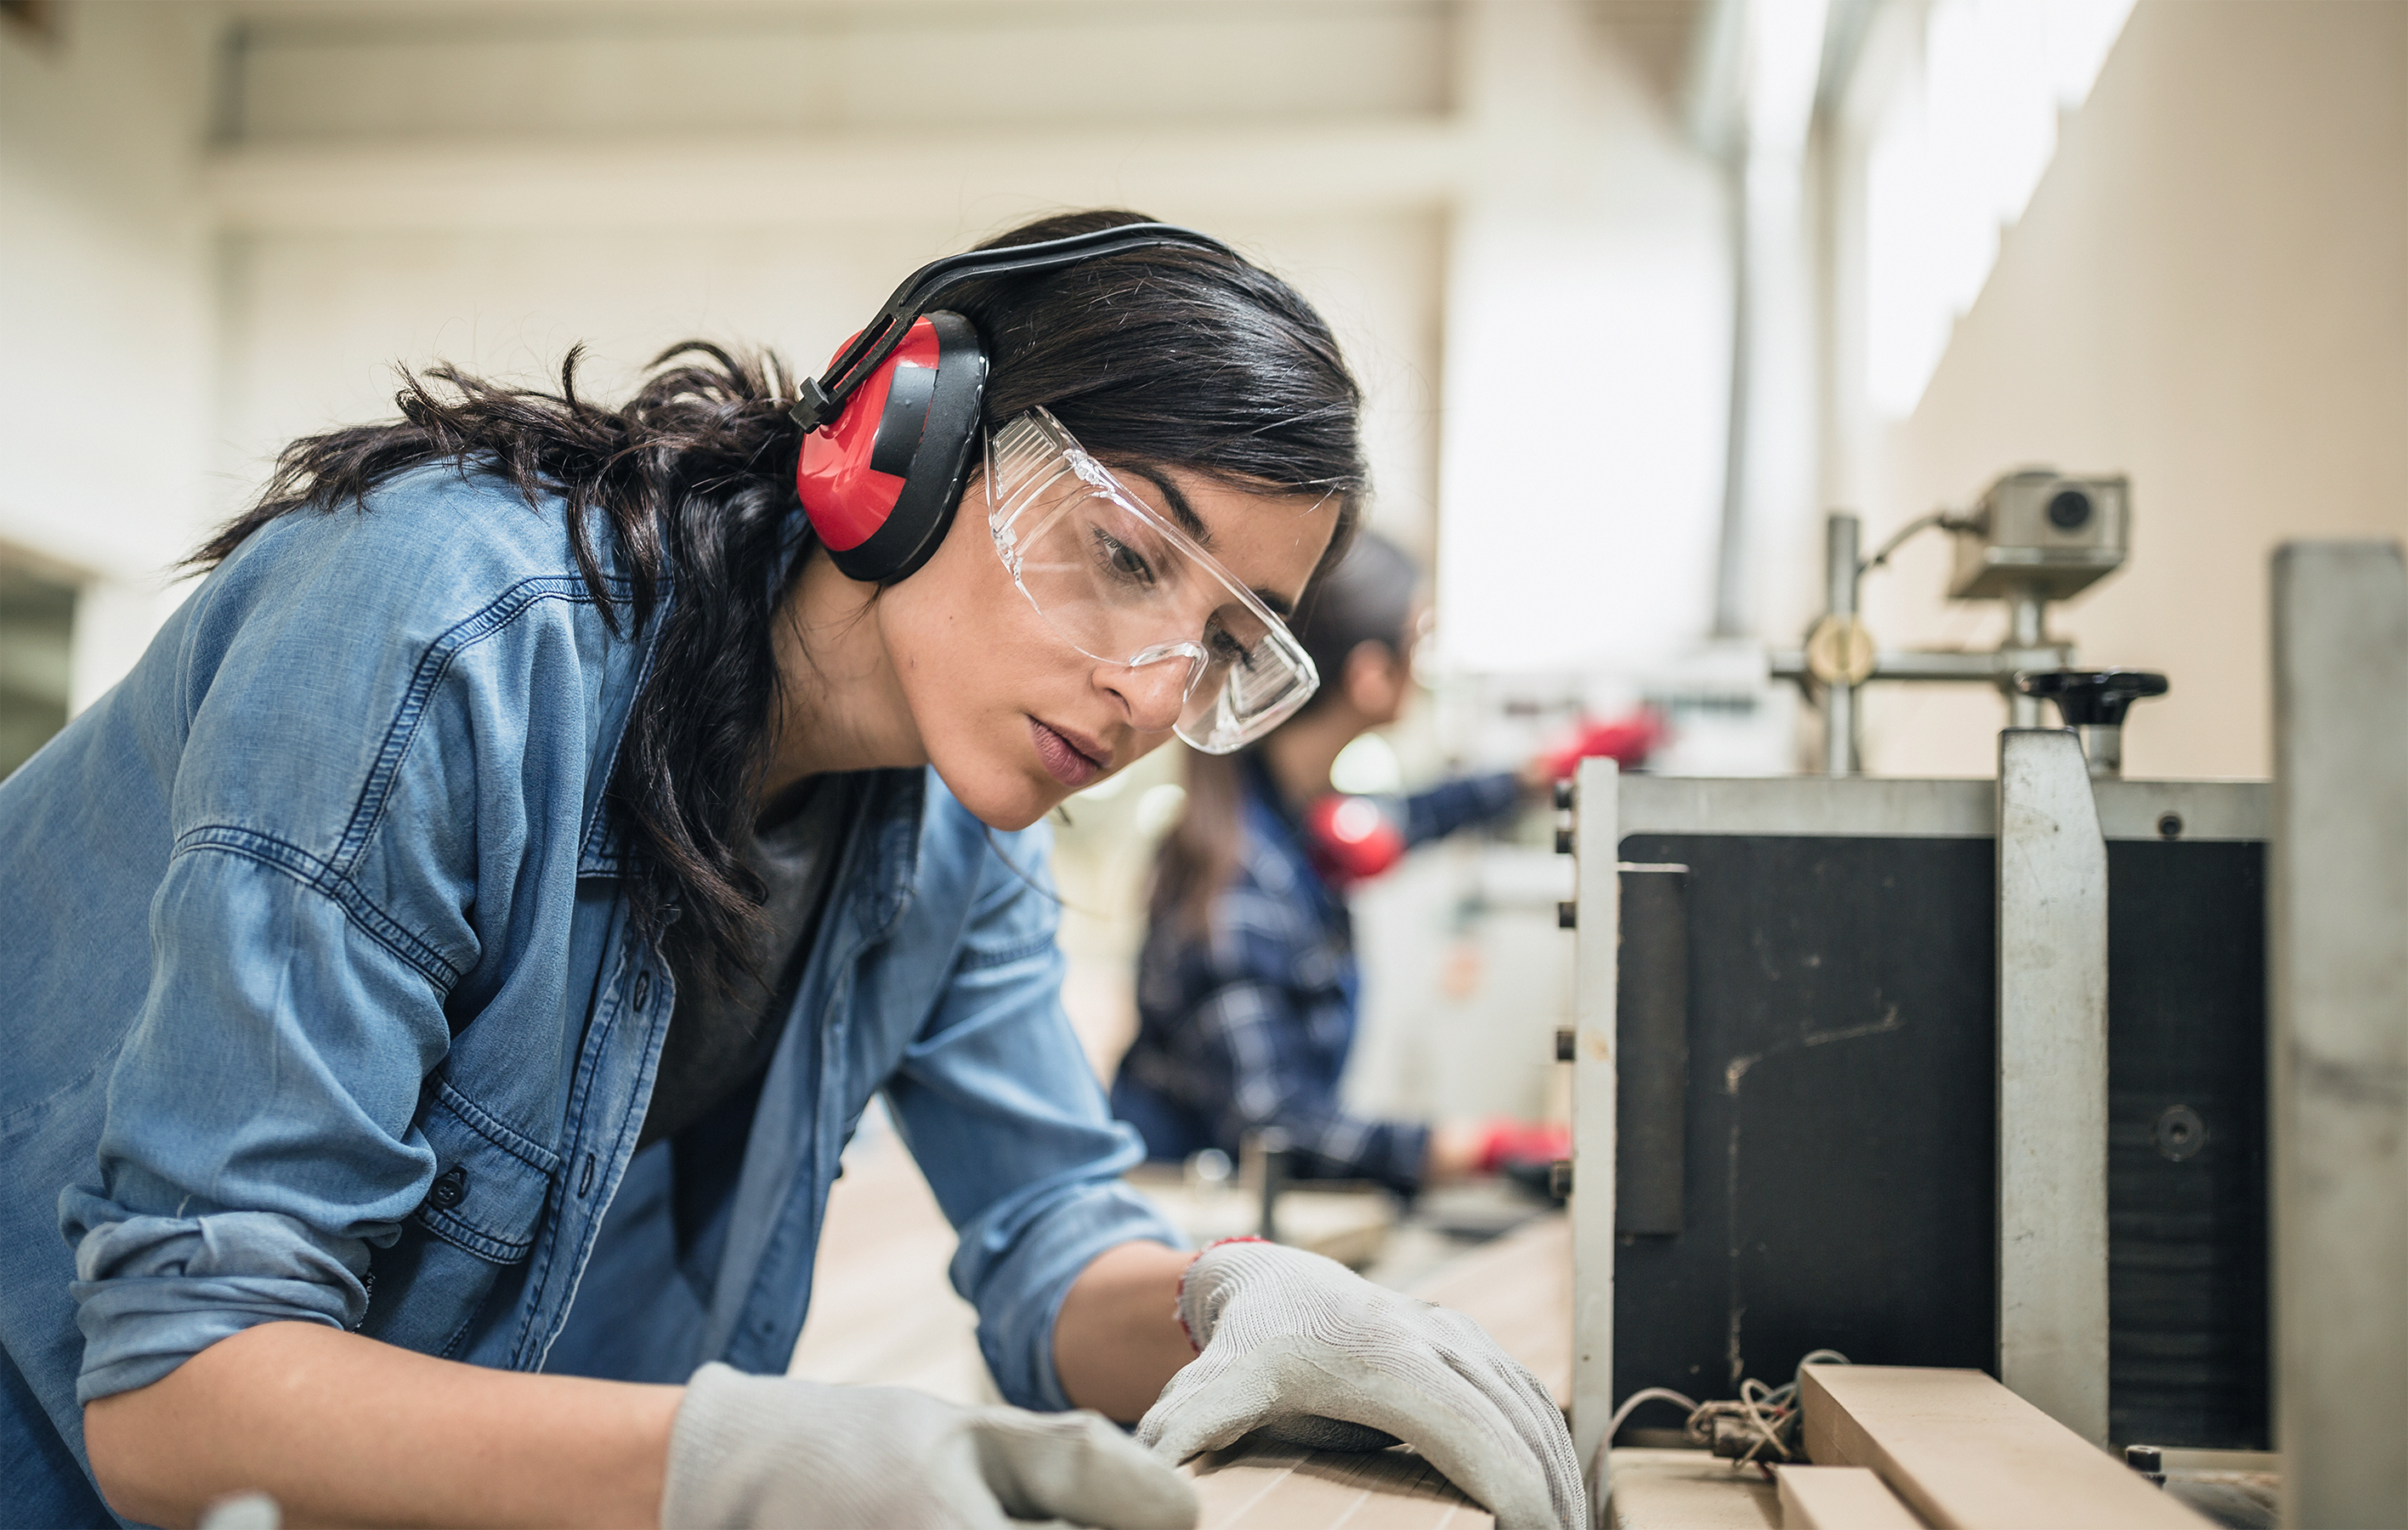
<point>442,977</point>
<point>1248,991</point>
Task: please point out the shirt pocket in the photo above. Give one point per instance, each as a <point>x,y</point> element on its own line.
<point>481,1216</point>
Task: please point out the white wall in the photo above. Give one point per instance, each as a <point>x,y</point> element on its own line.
<point>2209,291</point>
<point>1587,345</point>
<point>107,330</point>
<point>490,191</point>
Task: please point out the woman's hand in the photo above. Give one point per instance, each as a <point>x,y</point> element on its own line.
<point>1311,1353</point>
<point>770,1451</point>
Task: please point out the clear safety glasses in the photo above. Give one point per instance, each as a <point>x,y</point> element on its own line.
<point>1121,584</point>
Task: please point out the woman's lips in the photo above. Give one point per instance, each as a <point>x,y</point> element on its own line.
<point>1064,760</point>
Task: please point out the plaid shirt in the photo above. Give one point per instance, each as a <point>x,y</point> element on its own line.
<point>1250,1027</point>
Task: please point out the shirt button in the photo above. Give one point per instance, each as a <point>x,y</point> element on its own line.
<point>448,1188</point>
<point>644,990</point>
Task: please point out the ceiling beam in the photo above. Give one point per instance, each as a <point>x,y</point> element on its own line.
<point>844,180</point>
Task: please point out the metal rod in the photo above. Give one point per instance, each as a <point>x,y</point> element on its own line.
<point>2026,621</point>
<point>1840,534</point>
<point>1938,664</point>
<point>2104,745</point>
<point>1730,542</point>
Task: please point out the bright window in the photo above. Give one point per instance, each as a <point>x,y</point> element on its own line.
<point>1964,131</point>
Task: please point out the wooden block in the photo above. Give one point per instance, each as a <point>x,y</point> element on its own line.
<point>1839,1498</point>
<point>1252,1486</point>
<point>1968,1455</point>
<point>1686,1490</point>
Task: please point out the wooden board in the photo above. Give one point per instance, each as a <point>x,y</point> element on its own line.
<point>1687,1490</point>
<point>1966,1453</point>
<point>1273,1487</point>
<point>1839,1498</point>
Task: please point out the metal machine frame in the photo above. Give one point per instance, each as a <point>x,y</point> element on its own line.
<point>2051,822</point>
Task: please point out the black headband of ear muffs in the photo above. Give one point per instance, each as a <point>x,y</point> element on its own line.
<point>822,401</point>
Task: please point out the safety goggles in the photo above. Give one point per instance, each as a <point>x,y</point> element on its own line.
<point>1122,585</point>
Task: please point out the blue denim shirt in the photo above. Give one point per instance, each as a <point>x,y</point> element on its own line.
<point>320,1001</point>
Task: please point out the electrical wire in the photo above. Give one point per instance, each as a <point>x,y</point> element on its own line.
<point>1645,1394</point>
<point>1898,538</point>
<point>1768,1413</point>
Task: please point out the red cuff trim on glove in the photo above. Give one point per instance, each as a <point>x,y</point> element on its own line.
<point>1179,1301</point>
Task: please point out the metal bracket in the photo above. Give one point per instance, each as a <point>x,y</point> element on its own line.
<point>1597,883</point>
<point>2338,907</point>
<point>2052,925</point>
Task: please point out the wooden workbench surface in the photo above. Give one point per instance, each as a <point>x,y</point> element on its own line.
<point>883,1312</point>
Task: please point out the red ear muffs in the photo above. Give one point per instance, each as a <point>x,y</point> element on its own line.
<point>1352,840</point>
<point>887,434</point>
<point>881,481</point>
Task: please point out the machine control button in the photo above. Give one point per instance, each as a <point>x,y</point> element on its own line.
<point>2169,825</point>
<point>2069,510</point>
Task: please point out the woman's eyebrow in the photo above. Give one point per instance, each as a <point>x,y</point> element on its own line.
<point>1181,511</point>
<point>1193,524</point>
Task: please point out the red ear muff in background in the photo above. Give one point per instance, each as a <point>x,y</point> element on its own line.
<point>1350,839</point>
<point>882,479</point>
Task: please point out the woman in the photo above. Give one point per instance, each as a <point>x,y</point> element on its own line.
<point>1247,985</point>
<point>463,945</point>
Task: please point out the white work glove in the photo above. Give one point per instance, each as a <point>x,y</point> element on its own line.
<point>769,1453</point>
<point>1310,1354</point>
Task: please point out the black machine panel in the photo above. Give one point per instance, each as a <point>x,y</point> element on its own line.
<point>1839,1132</point>
<point>2186,1293</point>
<point>1838,1123</point>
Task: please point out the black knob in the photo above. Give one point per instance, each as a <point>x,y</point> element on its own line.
<point>2069,510</point>
<point>2148,1460</point>
<point>2092,698</point>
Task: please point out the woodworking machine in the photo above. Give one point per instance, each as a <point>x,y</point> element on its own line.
<point>1947,1073</point>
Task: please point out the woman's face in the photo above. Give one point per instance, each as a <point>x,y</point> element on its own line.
<point>1015,719</point>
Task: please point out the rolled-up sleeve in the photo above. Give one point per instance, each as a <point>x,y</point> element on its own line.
<point>258,1140</point>
<point>999,1105</point>
<point>312,916</point>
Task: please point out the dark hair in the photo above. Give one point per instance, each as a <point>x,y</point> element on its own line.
<point>1176,357</point>
<point>1366,597</point>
